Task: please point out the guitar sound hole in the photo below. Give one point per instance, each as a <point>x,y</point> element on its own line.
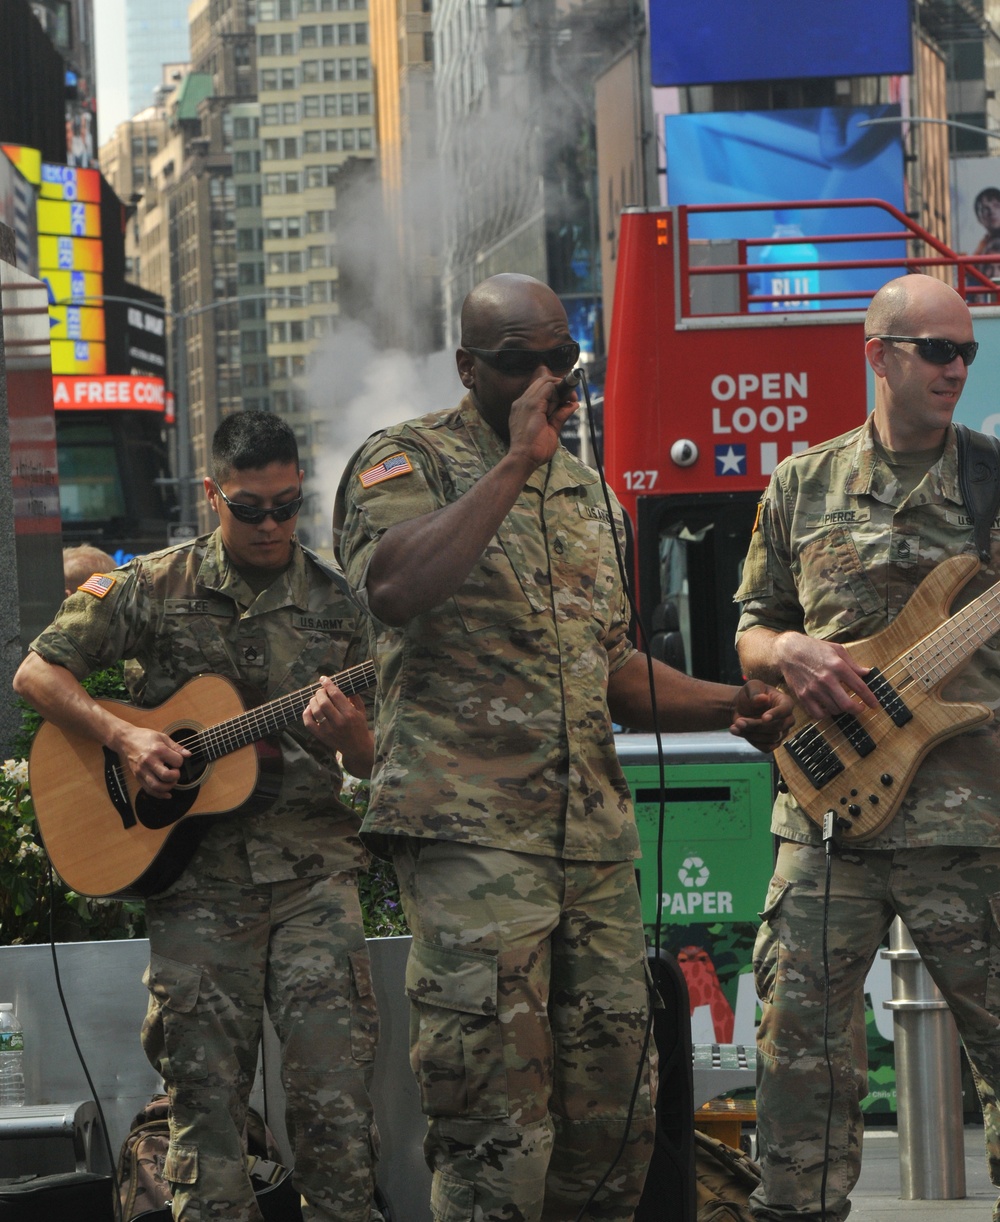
<point>193,770</point>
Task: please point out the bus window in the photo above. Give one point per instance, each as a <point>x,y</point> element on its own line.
<point>690,554</point>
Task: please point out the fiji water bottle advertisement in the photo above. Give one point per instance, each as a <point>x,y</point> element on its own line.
<point>825,153</point>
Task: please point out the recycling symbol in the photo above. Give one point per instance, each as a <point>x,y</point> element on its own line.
<point>693,872</point>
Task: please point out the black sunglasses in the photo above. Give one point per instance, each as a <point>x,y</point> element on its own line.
<point>936,351</point>
<point>526,360</point>
<point>253,515</point>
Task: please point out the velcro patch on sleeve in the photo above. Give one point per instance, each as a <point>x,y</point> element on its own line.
<point>390,468</point>
<point>98,584</point>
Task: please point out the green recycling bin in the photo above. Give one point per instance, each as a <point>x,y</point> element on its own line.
<point>716,862</point>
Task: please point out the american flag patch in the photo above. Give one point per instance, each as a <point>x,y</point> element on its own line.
<point>398,464</point>
<point>99,584</point>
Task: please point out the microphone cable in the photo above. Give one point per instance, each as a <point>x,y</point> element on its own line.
<point>828,843</point>
<point>112,1161</point>
<point>578,377</point>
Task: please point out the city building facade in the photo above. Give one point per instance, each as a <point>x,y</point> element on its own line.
<point>156,33</point>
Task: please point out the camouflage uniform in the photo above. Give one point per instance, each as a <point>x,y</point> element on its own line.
<point>267,910</point>
<point>498,791</point>
<point>836,557</point>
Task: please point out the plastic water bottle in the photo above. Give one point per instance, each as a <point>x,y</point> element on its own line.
<point>11,1057</point>
<point>777,284</point>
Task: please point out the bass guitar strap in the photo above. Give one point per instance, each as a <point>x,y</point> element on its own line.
<point>979,483</point>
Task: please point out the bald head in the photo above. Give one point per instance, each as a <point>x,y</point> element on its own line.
<point>897,305</point>
<point>499,301</point>
<point>915,393</point>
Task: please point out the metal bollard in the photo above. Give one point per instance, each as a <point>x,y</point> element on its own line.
<point>928,1078</point>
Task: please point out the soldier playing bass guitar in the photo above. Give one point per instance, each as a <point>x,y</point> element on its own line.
<point>846,533</point>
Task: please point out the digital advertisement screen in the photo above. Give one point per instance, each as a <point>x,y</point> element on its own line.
<point>733,40</point>
<point>822,154</point>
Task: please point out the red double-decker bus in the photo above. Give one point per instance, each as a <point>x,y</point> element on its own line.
<point>704,395</point>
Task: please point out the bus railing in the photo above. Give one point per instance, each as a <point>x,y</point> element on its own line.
<point>969,280</point>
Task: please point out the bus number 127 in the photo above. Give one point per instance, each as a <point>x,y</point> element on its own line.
<point>640,481</point>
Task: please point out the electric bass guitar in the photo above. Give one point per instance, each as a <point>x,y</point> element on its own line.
<point>856,768</point>
<point>105,836</point>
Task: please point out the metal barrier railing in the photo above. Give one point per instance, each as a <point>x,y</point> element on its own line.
<point>970,280</point>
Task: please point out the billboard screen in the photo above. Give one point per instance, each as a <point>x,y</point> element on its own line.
<point>730,40</point>
<point>70,249</point>
<point>125,393</point>
<point>67,182</point>
<point>816,154</point>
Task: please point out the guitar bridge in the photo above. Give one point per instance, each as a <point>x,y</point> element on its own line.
<point>117,792</point>
<point>814,756</point>
<point>888,697</point>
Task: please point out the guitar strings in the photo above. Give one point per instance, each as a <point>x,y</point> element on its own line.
<point>925,659</point>
<point>257,723</point>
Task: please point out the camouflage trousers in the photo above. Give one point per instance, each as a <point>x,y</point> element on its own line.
<point>219,953</point>
<point>529,997</point>
<point>949,900</point>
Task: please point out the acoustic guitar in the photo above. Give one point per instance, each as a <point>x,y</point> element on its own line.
<point>857,767</point>
<point>105,836</point>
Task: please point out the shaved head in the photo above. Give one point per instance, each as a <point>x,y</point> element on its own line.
<point>496,301</point>
<point>898,302</point>
<point>513,313</point>
<point>915,396</point>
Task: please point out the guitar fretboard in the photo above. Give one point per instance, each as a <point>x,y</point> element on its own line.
<point>267,719</point>
<point>953,642</point>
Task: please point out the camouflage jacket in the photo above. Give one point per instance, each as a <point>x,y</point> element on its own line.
<point>492,724</point>
<point>834,556</point>
<point>186,611</point>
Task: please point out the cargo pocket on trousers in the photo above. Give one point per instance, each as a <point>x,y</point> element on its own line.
<point>364,1012</point>
<point>451,1200</point>
<point>456,1046</point>
<point>181,1165</point>
<point>767,945</point>
<point>170,1034</point>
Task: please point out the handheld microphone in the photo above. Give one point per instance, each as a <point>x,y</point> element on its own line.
<point>571,380</point>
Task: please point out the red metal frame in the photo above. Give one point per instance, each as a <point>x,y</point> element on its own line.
<point>972,283</point>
